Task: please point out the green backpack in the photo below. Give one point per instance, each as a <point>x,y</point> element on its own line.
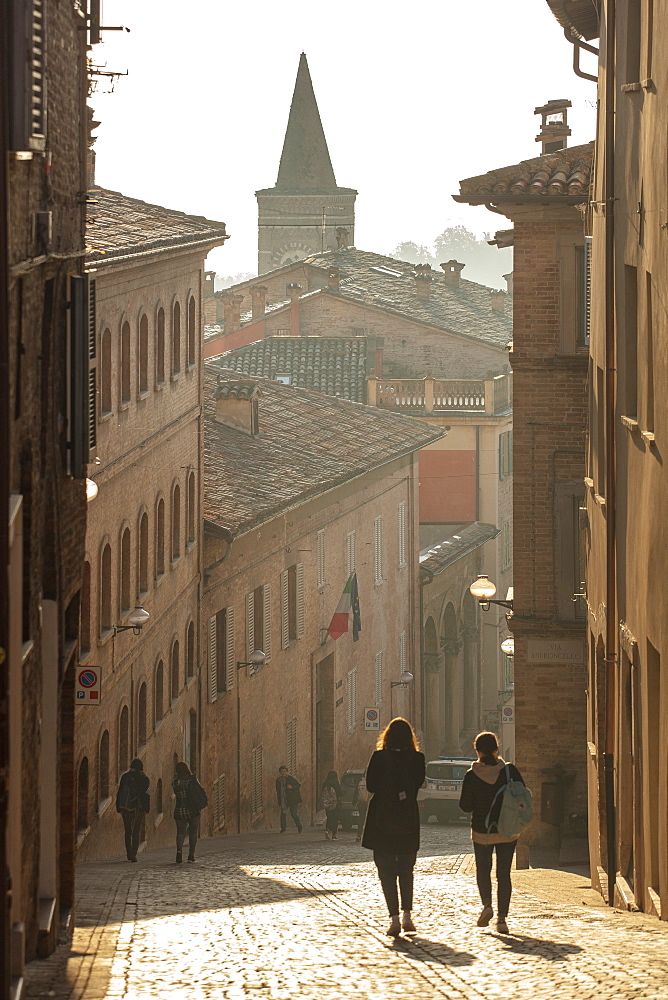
<point>516,809</point>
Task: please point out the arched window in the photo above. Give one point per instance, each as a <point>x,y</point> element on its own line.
<point>125,571</point>
<point>124,740</point>
<point>190,514</point>
<point>105,373</point>
<point>190,651</point>
<point>82,796</point>
<point>176,522</point>
<point>176,339</point>
<point>160,540</point>
<point>125,363</point>
<point>159,692</point>
<point>105,590</point>
<point>141,717</point>
<point>143,553</point>
<point>158,796</point>
<point>143,354</point>
<point>191,330</point>
<point>160,347</point>
<point>175,671</point>
<point>103,768</point>
<point>85,630</point>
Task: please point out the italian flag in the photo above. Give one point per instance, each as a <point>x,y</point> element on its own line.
<point>347,606</point>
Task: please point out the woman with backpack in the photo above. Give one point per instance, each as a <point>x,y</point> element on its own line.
<point>331,803</point>
<point>392,826</point>
<point>482,795</point>
<point>190,800</point>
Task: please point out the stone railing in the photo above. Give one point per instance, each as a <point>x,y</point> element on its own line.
<point>429,395</point>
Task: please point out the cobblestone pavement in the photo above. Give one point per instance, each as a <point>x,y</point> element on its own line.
<point>278,917</point>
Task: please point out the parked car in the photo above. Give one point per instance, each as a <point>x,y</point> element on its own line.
<point>352,811</point>
<point>439,795</point>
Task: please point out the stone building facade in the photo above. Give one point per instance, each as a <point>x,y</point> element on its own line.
<point>145,267</point>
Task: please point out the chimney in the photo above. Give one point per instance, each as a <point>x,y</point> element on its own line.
<point>259,300</point>
<point>293,290</point>
<point>333,279</point>
<point>498,300</point>
<point>422,280</point>
<point>209,284</point>
<point>509,282</point>
<point>92,139</point>
<point>453,272</point>
<point>237,406</point>
<point>554,130</point>
<point>342,236</point>
<point>232,308</point>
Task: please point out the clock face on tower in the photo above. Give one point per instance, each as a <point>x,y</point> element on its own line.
<point>287,253</point>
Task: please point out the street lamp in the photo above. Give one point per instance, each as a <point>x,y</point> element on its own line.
<point>403,681</point>
<point>254,662</point>
<point>91,490</point>
<point>136,621</point>
<point>508,646</point>
<point>484,590</point>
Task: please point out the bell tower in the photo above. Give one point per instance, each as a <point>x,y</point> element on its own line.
<point>305,212</point>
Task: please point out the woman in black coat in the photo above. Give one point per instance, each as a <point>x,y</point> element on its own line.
<point>392,827</point>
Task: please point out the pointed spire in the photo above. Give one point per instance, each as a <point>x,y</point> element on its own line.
<point>305,164</point>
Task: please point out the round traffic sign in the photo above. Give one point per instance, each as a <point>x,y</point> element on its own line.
<point>87,678</point>
<point>372,715</point>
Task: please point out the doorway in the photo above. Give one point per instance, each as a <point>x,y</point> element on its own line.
<point>324,719</point>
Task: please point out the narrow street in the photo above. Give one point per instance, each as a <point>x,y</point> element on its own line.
<point>264,915</point>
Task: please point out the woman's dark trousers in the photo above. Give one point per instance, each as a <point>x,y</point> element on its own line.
<point>332,823</point>
<point>132,822</point>
<point>191,827</point>
<point>295,815</point>
<point>393,868</point>
<point>483,867</point>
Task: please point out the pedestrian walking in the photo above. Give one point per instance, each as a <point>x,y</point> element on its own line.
<point>288,797</point>
<point>190,800</point>
<point>331,803</point>
<point>392,827</point>
<point>133,802</point>
<point>483,782</point>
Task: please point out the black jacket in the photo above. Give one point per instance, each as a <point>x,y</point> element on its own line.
<point>477,796</point>
<point>292,794</point>
<point>393,820</point>
<point>132,794</point>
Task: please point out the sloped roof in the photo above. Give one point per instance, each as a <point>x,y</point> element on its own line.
<point>119,227</point>
<point>563,176</point>
<point>333,365</point>
<point>308,443</point>
<point>443,554</point>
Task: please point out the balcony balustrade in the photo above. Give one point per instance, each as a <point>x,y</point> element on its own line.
<point>429,395</point>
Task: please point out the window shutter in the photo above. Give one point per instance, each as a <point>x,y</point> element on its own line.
<point>402,533</point>
<point>321,558</point>
<point>587,288</point>
<point>379,678</point>
<point>378,549</point>
<point>27,90</point>
<point>213,658</point>
<point>230,662</point>
<point>285,610</point>
<point>92,361</point>
<point>266,620</point>
<point>291,729</point>
<point>250,625</point>
<point>352,698</point>
<point>402,651</point>
<point>78,378</point>
<point>300,600</point>
<point>219,802</point>
<point>351,552</point>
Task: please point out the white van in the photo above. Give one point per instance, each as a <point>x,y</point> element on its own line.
<point>439,795</point>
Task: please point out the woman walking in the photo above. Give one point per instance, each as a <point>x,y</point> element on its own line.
<point>482,782</point>
<point>190,799</point>
<point>392,827</point>
<point>331,802</point>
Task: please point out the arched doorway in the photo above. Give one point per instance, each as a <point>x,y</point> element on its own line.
<point>432,677</point>
<point>451,645</point>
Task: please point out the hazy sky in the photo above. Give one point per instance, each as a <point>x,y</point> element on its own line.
<point>413,97</point>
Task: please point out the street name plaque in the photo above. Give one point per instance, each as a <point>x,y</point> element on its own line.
<point>555,651</point>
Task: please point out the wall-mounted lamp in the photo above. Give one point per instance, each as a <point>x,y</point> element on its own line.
<point>484,590</point>
<point>256,660</point>
<point>136,621</point>
<point>508,646</point>
<point>403,681</point>
<point>91,490</point>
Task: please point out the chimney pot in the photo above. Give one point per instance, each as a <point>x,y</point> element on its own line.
<point>554,130</point>
<point>422,280</point>
<point>498,301</point>
<point>452,271</point>
<point>232,309</point>
<point>333,279</point>
<point>259,300</point>
<point>237,406</point>
<point>292,291</point>
<point>509,282</point>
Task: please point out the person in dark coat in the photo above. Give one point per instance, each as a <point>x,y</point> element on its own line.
<point>288,797</point>
<point>331,801</point>
<point>392,827</point>
<point>132,802</point>
<point>480,786</point>
<point>185,816</point>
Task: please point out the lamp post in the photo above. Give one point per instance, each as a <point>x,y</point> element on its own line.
<point>136,621</point>
<point>484,590</point>
<point>253,664</point>
<point>403,682</point>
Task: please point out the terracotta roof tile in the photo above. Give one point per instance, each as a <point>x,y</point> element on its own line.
<point>565,174</point>
<point>442,554</point>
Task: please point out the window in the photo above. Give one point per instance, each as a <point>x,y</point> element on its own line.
<point>649,343</point>
<point>124,740</point>
<point>175,678</point>
<point>82,796</point>
<point>160,540</point>
<point>600,430</point>
<point>160,347</point>
<point>85,630</point>
<point>292,604</point>
<point>401,520</point>
<point>571,529</point>
<point>633,17</point>
<point>291,741</point>
<point>190,650</point>
<point>105,374</point>
<point>141,717</point>
<point>508,673</point>
<point>506,544</point>
<point>222,664</point>
<point>176,522</point>
<point>350,552</point>
<point>159,692</point>
<point>192,330</point>
<point>158,797</point>
<point>403,659</point>
<point>191,509</point>
<point>505,454</point>
<point>125,572</point>
<point>105,591</point>
<point>103,768</point>
<point>379,677</point>
<point>28,107</point>
<point>143,554</point>
<point>125,363</point>
<point>176,339</point>
<point>143,354</point>
<point>378,549</point>
<point>352,698</point>
<point>219,802</point>
<point>630,347</point>
<point>256,781</point>
<point>320,556</point>
<point>583,293</point>
<point>258,621</point>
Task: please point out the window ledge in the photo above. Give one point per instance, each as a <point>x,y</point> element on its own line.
<point>631,88</point>
<point>105,415</point>
<point>159,578</point>
<point>158,820</point>
<point>648,437</point>
<point>105,636</point>
<point>630,423</point>
<point>125,404</point>
<point>81,836</point>
<point>142,395</point>
<point>143,594</point>
<point>599,499</point>
<point>104,805</point>
<point>589,483</point>
<point>83,655</point>
<point>591,750</point>
<point>175,376</point>
<point>191,367</point>
<point>26,649</point>
<point>159,385</point>
<point>190,545</point>
<point>175,560</point>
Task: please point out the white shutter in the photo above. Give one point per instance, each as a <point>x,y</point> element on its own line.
<point>213,658</point>
<point>350,553</point>
<point>587,288</point>
<point>402,533</point>
<point>379,677</point>
<point>300,600</point>
<point>256,781</point>
<point>250,624</point>
<point>378,549</point>
<point>321,558</point>
<point>285,610</point>
<point>291,733</point>
<point>266,620</point>
<point>352,698</point>
<point>219,802</point>
<point>402,652</point>
<point>230,661</point>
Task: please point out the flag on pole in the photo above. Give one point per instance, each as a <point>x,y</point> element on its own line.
<point>347,606</point>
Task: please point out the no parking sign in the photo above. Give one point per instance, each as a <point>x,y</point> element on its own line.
<point>87,686</point>
<point>371,719</point>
